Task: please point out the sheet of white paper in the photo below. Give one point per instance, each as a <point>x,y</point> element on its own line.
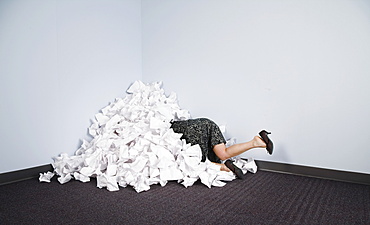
<point>46,177</point>
<point>81,177</point>
<point>64,178</point>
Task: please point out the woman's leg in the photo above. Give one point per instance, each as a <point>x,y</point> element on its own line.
<point>225,153</point>
<point>223,167</point>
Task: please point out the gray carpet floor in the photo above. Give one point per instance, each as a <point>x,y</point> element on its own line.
<point>261,198</point>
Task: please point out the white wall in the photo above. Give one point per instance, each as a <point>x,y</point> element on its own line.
<point>60,62</point>
<point>295,67</point>
<point>298,68</point>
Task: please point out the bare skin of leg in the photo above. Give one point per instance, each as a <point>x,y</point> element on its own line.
<point>223,167</point>
<point>225,153</point>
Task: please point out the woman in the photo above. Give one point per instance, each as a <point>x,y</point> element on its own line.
<point>207,134</point>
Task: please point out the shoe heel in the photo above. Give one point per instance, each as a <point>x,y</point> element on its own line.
<point>264,132</point>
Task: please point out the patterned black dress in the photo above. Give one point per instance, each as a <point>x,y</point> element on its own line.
<point>200,131</point>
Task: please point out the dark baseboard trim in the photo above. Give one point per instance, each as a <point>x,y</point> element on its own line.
<point>352,177</point>
<point>19,175</point>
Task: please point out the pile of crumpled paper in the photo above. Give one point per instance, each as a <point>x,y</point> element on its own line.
<point>134,145</point>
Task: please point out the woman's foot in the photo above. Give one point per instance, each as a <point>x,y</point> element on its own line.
<point>258,142</point>
<point>224,168</point>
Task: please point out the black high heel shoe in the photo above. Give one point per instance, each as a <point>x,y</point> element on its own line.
<point>236,170</point>
<point>267,140</point>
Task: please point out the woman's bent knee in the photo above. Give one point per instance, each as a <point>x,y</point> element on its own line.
<point>220,151</point>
